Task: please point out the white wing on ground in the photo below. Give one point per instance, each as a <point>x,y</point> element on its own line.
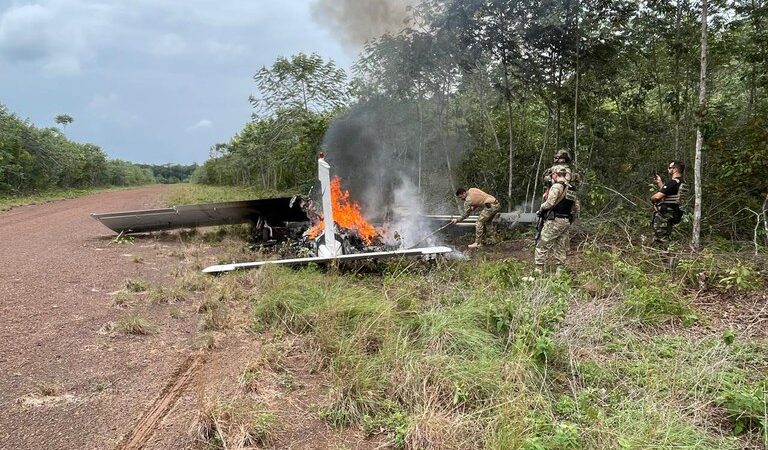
<point>424,251</point>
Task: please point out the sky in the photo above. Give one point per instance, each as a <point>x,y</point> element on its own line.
<point>151,81</point>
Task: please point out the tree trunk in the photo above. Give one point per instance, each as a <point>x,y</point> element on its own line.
<point>508,99</point>
<point>696,238</point>
<point>765,218</point>
<point>576,95</point>
<point>421,138</point>
<point>541,156</point>
<point>678,49</point>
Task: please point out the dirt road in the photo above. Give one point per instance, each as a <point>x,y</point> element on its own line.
<point>64,382</point>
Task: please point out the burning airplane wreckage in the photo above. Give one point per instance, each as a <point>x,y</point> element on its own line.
<point>337,232</point>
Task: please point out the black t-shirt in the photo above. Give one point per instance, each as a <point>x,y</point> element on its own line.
<point>671,188</point>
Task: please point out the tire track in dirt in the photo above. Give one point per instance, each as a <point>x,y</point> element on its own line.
<point>140,434</point>
<point>59,272</point>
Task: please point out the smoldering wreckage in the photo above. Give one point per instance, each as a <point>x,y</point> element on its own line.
<point>325,230</point>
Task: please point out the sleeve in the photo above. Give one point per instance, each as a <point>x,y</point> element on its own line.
<point>467,209</point>
<point>552,197</point>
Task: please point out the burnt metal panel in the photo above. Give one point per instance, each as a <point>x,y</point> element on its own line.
<point>275,211</point>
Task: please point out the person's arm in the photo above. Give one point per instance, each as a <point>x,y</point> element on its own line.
<point>659,196</point>
<point>659,182</point>
<point>552,197</point>
<point>467,211</point>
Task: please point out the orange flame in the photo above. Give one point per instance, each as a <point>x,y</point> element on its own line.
<point>346,214</point>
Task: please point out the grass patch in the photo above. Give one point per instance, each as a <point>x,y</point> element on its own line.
<point>166,295</point>
<point>238,423</point>
<point>137,285</point>
<point>472,356</point>
<point>46,389</point>
<point>189,194</point>
<point>135,325</point>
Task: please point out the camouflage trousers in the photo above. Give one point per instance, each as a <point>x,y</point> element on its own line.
<point>485,221</point>
<point>554,239</point>
<point>662,227</point>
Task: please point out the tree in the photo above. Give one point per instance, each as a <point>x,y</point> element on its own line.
<point>695,239</point>
<point>64,119</point>
<point>305,82</point>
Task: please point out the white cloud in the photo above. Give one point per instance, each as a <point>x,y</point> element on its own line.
<point>202,123</point>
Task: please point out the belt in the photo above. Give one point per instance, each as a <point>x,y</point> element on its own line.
<point>488,205</point>
<point>560,216</point>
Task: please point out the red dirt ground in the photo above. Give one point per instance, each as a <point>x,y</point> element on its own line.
<point>65,383</point>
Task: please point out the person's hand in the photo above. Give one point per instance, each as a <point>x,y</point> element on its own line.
<point>453,221</point>
<point>538,213</point>
<point>658,178</point>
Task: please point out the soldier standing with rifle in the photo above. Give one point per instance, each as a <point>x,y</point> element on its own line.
<point>666,202</point>
<point>559,210</point>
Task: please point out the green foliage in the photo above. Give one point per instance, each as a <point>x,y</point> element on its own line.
<point>747,407</point>
<point>393,420</point>
<point>170,173</point>
<point>137,285</point>
<point>122,239</point>
<point>469,356</point>
<point>42,159</point>
<point>740,277</point>
<point>278,149</point>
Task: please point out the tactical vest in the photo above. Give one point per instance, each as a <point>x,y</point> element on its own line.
<point>563,207</point>
<point>679,197</point>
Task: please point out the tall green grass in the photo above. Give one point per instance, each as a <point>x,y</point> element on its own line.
<point>472,356</point>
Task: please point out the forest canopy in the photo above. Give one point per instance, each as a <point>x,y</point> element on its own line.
<point>482,93</point>
<point>36,159</point>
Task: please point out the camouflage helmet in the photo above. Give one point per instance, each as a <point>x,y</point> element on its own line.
<point>563,154</point>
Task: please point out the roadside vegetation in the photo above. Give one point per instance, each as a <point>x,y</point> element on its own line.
<point>619,353</point>
<point>41,164</point>
<point>475,355</point>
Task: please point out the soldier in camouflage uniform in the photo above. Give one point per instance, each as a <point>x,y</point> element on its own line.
<point>667,201</point>
<point>562,160</point>
<point>560,209</point>
<point>475,199</point>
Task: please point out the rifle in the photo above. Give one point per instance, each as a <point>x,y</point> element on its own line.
<point>539,227</point>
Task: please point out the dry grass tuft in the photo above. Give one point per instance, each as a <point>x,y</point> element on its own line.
<point>165,295</point>
<point>236,424</point>
<point>135,325</point>
<point>435,429</point>
<point>46,388</point>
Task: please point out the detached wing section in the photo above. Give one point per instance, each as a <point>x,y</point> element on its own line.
<point>274,211</point>
<point>423,251</point>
